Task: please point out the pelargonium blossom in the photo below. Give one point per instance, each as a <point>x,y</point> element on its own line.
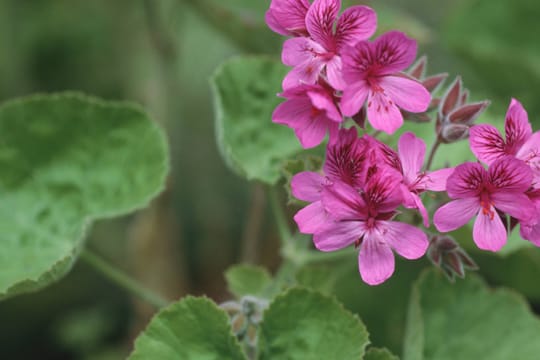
<point>327,36</point>
<point>372,72</point>
<point>288,17</point>
<point>365,220</point>
<point>311,111</point>
<point>488,144</point>
<point>415,181</point>
<point>485,193</point>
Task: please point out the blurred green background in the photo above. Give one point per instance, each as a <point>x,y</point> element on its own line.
<point>161,55</point>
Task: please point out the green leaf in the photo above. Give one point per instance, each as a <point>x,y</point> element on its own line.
<point>302,324</point>
<point>66,160</point>
<point>379,354</point>
<point>321,278</point>
<point>245,96</point>
<point>467,320</point>
<point>193,328</point>
<point>247,279</point>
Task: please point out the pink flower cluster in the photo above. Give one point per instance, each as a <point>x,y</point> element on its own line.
<point>338,72</point>
<point>510,185</point>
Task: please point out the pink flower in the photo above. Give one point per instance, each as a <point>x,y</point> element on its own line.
<point>371,71</point>
<point>288,17</point>
<point>311,111</point>
<point>322,49</point>
<point>488,144</point>
<point>530,230</point>
<point>415,181</point>
<point>364,219</point>
<point>307,186</point>
<point>476,190</point>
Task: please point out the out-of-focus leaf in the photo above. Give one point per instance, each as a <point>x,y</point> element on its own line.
<point>320,278</point>
<point>193,328</point>
<point>500,40</point>
<point>519,270</point>
<point>66,160</point>
<point>245,96</point>
<point>241,21</point>
<point>379,354</point>
<point>467,320</point>
<point>302,324</point>
<point>247,279</point>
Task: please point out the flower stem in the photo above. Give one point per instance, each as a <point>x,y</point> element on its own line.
<point>281,222</point>
<point>432,152</point>
<point>123,280</point>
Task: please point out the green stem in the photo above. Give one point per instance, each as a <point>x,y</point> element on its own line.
<point>123,280</point>
<point>432,152</point>
<point>281,221</point>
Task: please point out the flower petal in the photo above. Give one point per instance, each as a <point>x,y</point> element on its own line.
<point>323,100</point>
<point>311,218</point>
<point>407,240</point>
<point>517,205</point>
<point>320,20</point>
<point>376,260</point>
<point>531,233</point>
<point>311,133</point>
<point>287,17</point>
<point>354,97</point>
<point>411,154</point>
<point>517,126</point>
<point>333,73</point>
<point>436,180</point>
<point>307,186</point>
<point>486,143</point>
<point>355,24</point>
<point>466,180</point>
<point>394,52</point>
<point>455,214</point>
<point>343,202</point>
<point>408,94</point>
<point>382,113</point>
<point>510,174</point>
<point>299,50</point>
<point>489,232</point>
<point>337,235</point>
<point>304,73</point>
<point>292,112</point>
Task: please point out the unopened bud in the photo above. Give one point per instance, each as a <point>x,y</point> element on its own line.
<point>445,253</point>
<point>466,114</point>
<point>454,132</point>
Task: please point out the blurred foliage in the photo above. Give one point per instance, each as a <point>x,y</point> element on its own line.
<point>162,54</point>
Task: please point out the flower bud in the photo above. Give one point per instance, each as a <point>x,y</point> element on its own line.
<point>445,253</point>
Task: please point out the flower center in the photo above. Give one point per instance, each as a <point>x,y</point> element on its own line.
<point>487,205</point>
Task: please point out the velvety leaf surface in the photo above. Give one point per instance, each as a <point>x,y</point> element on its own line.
<point>193,328</point>
<point>65,160</point>
<point>379,354</point>
<point>245,96</point>
<point>247,279</point>
<point>468,320</point>
<point>303,324</point>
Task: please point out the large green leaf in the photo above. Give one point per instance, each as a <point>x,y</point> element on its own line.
<point>194,328</point>
<point>245,96</point>
<point>467,320</point>
<point>303,324</point>
<point>66,160</point>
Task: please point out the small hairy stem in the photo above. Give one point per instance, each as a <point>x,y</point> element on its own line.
<point>279,215</point>
<point>123,280</point>
<point>432,152</point>
<point>250,237</point>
